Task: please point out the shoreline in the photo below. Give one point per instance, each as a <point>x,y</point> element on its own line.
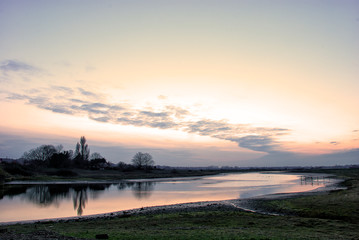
<point>246,204</point>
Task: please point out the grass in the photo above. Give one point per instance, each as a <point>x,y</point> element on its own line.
<point>331,215</point>
<point>3,176</point>
<point>339,204</point>
<point>49,174</point>
<point>202,225</point>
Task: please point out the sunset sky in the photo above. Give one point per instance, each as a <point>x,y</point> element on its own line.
<point>194,83</point>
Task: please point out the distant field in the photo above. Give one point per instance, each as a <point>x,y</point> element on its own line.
<point>48,174</point>
<point>332,215</point>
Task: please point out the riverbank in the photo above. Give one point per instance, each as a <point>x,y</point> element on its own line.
<point>17,173</point>
<point>333,215</point>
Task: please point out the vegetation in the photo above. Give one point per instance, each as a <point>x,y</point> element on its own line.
<point>3,175</point>
<point>215,224</point>
<point>82,154</point>
<point>48,162</point>
<point>143,160</point>
<point>224,223</point>
<point>53,174</point>
<point>340,205</point>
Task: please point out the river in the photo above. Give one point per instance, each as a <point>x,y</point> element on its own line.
<point>29,201</point>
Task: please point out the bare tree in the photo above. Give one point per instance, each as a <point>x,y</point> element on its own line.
<point>83,149</point>
<point>40,154</point>
<point>142,160</point>
<point>96,155</point>
<point>97,161</point>
<point>82,153</point>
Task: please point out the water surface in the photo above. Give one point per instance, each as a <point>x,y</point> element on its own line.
<point>41,201</point>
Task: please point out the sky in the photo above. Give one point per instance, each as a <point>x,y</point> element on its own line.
<point>193,83</point>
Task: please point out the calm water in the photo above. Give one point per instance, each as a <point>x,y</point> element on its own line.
<point>40,201</point>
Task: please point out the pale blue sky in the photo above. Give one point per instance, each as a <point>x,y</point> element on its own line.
<point>243,78</point>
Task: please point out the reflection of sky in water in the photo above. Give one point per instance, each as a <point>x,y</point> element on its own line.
<point>26,202</point>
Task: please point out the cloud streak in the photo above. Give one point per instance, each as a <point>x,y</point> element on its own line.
<point>10,70</point>
<point>80,101</point>
<point>16,66</point>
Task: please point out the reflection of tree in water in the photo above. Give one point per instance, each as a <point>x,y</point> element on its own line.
<point>97,189</point>
<point>123,185</point>
<point>40,195</point>
<point>80,196</point>
<point>140,189</point>
<point>45,195</point>
<point>52,194</point>
<point>80,199</point>
<point>12,190</point>
<point>143,190</point>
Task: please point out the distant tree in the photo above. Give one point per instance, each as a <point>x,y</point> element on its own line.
<point>40,155</point>
<point>96,155</point>
<point>61,160</point>
<point>59,148</point>
<point>125,167</point>
<point>97,161</point>
<point>122,165</point>
<point>142,160</point>
<point>82,153</point>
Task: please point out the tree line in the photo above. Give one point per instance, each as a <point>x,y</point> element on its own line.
<point>55,157</point>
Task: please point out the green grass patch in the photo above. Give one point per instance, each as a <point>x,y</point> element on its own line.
<point>339,204</point>
<point>201,225</point>
<point>52,174</point>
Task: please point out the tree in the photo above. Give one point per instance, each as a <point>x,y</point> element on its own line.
<point>82,153</point>
<point>97,161</point>
<point>40,155</point>
<point>61,160</point>
<point>125,167</point>
<point>142,160</point>
<point>96,155</point>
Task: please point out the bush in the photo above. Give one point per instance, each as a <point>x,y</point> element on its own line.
<point>174,170</point>
<point>3,175</point>
<point>17,169</point>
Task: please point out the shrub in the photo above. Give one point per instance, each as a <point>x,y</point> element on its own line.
<point>3,175</point>
<point>17,169</point>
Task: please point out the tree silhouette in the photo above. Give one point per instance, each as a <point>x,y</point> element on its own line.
<point>82,153</point>
<point>61,160</point>
<point>97,161</point>
<point>80,199</point>
<point>96,155</point>
<point>40,155</point>
<point>142,160</point>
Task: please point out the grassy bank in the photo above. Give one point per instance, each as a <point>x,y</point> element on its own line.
<point>340,205</point>
<point>201,225</point>
<point>332,215</point>
<point>20,173</point>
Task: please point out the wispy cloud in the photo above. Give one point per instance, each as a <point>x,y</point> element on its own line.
<point>10,67</point>
<point>62,89</point>
<point>80,101</point>
<point>258,143</point>
<point>86,93</point>
<point>16,66</point>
